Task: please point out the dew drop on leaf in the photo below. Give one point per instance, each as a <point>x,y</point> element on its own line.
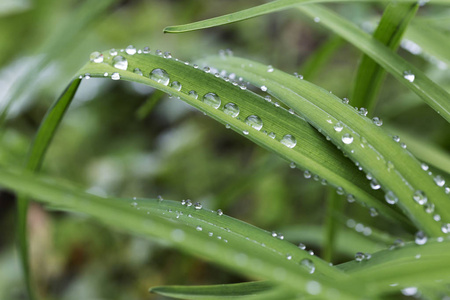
<point>390,197</point>
<point>408,75</point>
<point>130,50</point>
<point>115,76</point>
<point>219,212</point>
<point>160,76</point>
<point>231,109</point>
<point>420,238</point>
<point>120,62</point>
<point>254,121</point>
<point>359,256</point>
<point>347,138</point>
<point>193,94</point>
<point>338,127</point>
<point>289,141</point>
<point>212,100</point>
<point>307,174</point>
<point>197,205</point>
<point>420,197</point>
<point>138,71</point>
<point>113,52</point>
<point>176,85</point>
<point>308,265</point>
<point>96,57</point>
<point>439,180</point>
<point>377,121</point>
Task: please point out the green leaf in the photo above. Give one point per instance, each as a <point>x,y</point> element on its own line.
<point>435,96</point>
<point>263,9</point>
<point>411,265</point>
<point>398,172</point>
<point>198,231</point>
<point>315,154</point>
<point>242,291</point>
<point>370,75</point>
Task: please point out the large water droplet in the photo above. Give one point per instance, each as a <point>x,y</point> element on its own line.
<point>408,75</point>
<point>212,100</point>
<point>231,109</point>
<point>289,141</point>
<point>390,197</point>
<point>420,197</point>
<point>308,265</point>
<point>96,57</point>
<point>420,238</point>
<point>254,121</point>
<point>130,50</point>
<point>120,62</point>
<point>347,138</point>
<point>160,76</point>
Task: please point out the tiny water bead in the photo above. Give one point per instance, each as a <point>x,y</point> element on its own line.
<point>193,94</point>
<point>347,138</point>
<point>272,135</point>
<point>420,238</point>
<point>302,246</point>
<point>264,88</point>
<point>113,52</point>
<point>96,57</point>
<point>338,127</point>
<point>130,50</point>
<point>420,197</point>
<point>390,198</point>
<point>299,76</point>
<point>176,85</point>
<point>199,228</point>
<point>254,121</point>
<point>424,166</point>
<point>270,69</point>
<point>245,132</point>
<point>377,121</point>
<point>197,205</point>
<point>445,228</point>
<point>231,109</point>
<point>439,180</point>
<point>288,256</point>
<point>409,291</point>
<point>350,198</point>
<point>375,185</point>
<point>363,111</point>
<point>146,50</point>
<point>408,75</point>
<point>138,71</point>
<point>308,265</point>
<point>359,256</point>
<point>396,138</point>
<point>120,62</point>
<point>307,174</point>
<point>289,141</point>
<point>212,100</point>
<point>219,212</point>
<point>168,55</point>
<point>115,76</point>
<point>345,100</point>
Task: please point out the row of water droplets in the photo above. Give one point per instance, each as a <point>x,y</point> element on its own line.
<point>212,99</point>
<point>179,235</point>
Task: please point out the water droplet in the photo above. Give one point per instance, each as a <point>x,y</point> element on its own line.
<point>340,190</point>
<point>288,256</point>
<point>350,198</point>
<point>219,212</point>
<point>420,197</point>
<point>373,212</point>
<point>254,121</point>
<point>424,166</point>
<point>299,76</point>
<point>199,228</point>
<point>197,205</point>
<point>120,62</point>
<point>307,174</point>
<point>308,265</point>
<point>207,69</point>
<point>396,138</point>
<point>302,246</point>
<point>437,218</point>
<point>176,85</point>
<point>390,197</point>
<point>268,98</point>
<point>445,228</point>
<point>167,54</point>
<point>272,135</point>
<point>138,71</point>
<point>377,121</point>
<point>363,111</point>
<point>130,50</point>
<point>115,76</point>
<point>134,204</point>
<point>347,138</point>
<point>160,76</point>
<point>338,127</point>
<point>345,101</point>
<point>292,165</point>
<point>289,141</point>
<point>231,109</point>
<point>160,198</point>
<point>269,69</point>
<point>113,52</point>
<point>403,145</point>
<point>212,100</point>
<point>188,203</point>
<point>193,94</point>
<point>359,256</point>
<point>375,185</point>
<point>313,287</point>
<point>264,88</point>
<point>420,238</point>
<point>408,75</point>
<point>146,50</point>
<point>316,19</point>
<point>280,236</point>
<point>409,291</point>
<point>439,180</point>
<point>158,52</point>
<point>245,132</point>
<point>96,57</point>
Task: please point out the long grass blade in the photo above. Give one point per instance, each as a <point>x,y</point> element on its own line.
<point>370,75</point>
<point>398,172</point>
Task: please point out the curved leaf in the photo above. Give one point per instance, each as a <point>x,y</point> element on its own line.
<point>398,172</point>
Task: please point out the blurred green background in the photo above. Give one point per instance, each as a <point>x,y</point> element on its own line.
<point>106,147</point>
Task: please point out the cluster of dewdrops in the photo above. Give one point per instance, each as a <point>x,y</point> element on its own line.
<point>256,123</point>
